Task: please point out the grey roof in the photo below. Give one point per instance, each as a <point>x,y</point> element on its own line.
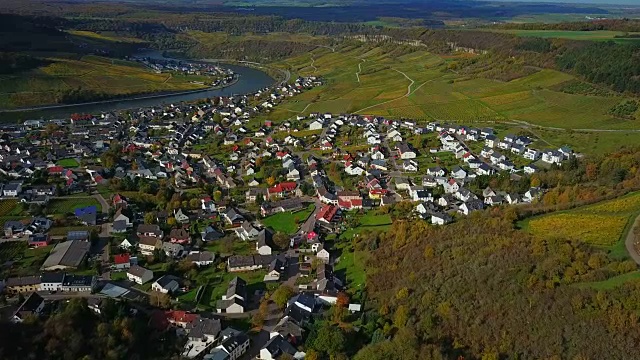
<point>264,238</point>
<point>139,271</point>
<point>203,326</point>
<point>287,327</point>
<point>69,253</point>
<point>277,345</point>
<point>52,277</point>
<point>237,286</point>
<point>149,229</point>
<point>120,225</point>
<point>78,280</point>
<point>23,281</point>
<point>201,256</point>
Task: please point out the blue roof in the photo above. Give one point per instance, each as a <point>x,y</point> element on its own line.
<point>86,210</point>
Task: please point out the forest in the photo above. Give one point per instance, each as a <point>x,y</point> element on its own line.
<point>627,25</point>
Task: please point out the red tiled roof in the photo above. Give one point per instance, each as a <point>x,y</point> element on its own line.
<point>55,169</point>
<point>282,187</point>
<point>121,259</point>
<point>180,316</point>
<point>327,212</point>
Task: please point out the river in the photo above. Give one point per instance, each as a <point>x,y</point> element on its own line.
<point>249,81</point>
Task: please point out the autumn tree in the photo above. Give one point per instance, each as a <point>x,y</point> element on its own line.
<point>282,295</point>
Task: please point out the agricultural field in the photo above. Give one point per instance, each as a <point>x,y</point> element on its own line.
<point>600,35</point>
<point>287,222</point>
<point>106,36</point>
<point>45,85</point>
<point>603,224</point>
<point>10,207</point>
<point>69,205</point>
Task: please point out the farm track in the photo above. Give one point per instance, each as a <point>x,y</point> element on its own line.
<point>359,69</point>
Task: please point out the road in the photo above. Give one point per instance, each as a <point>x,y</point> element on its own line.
<point>630,242</point>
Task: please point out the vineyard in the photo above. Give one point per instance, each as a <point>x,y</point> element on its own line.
<point>601,224</point>
<point>9,207</point>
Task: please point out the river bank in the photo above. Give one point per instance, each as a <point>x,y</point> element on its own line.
<point>121,99</point>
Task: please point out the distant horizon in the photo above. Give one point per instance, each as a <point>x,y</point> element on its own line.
<point>574,2</point>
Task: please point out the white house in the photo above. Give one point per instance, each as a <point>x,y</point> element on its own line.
<point>166,284</point>
<point>139,275</point>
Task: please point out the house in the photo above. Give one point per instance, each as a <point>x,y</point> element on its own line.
<point>24,284</point>
<point>469,206</point>
<point>530,169</point>
<point>327,213</point>
<point>552,157</point>
<point>232,217</point>
<point>246,231</point>
<point>289,329</point>
<point>203,330</point>
<point>166,284</point>
<point>66,255</point>
<point>79,283</point>
<point>231,348</point>
<point>276,269</point>
<point>31,306</point>
<point>322,254</point>
<point>121,262</point>
<point>405,152</point>
<point>276,347</point>
<point>149,230</point>
<point>125,244</point>
<point>532,195</point>
<point>264,242</point>
<point>12,189</point>
<point>238,263</point>
<point>440,219</point>
<point>402,183</point>
<point>211,234</point>
<point>233,301</point>
<point>458,173</point>
<point>87,215</point>
<point>179,236</point>
<point>147,245</point>
<point>173,250</point>
<point>181,217</point>
<point>139,275</point>
<point>51,281</point>
<point>201,258</point>
<point>39,240</point>
<point>120,216</point>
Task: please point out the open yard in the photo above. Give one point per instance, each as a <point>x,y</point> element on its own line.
<point>26,261</point>
<point>603,224</point>
<point>69,205</point>
<point>351,266</point>
<point>68,163</point>
<point>288,222</point>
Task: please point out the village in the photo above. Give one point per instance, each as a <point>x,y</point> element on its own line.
<point>197,212</point>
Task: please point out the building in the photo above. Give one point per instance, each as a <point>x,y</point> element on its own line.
<point>201,258</point>
<point>67,255</point>
<point>51,281</point>
<point>148,244</point>
<point>166,284</point>
<point>78,283</point>
<point>233,302</point>
<point>32,306</point>
<point>232,348</point>
<point>139,275</point>
<point>25,284</point>
<point>148,230</point>
<point>276,347</point>
<point>264,242</point>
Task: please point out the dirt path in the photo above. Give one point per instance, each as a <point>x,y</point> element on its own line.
<point>408,78</point>
<point>398,98</point>
<point>359,69</point>
<point>631,240</point>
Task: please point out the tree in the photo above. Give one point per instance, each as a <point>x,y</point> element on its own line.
<point>159,299</point>
<point>271,180</point>
<point>149,218</point>
<point>329,339</point>
<point>258,319</point>
<point>217,196</point>
<point>259,199</point>
<point>282,295</point>
<point>171,221</point>
<point>281,240</point>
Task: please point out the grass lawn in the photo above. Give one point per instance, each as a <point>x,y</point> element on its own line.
<point>118,275</point>
<point>27,261</point>
<point>68,163</point>
<point>286,222</point>
<point>10,207</point>
<point>352,267</point>
<point>189,296</point>
<point>238,247</point>
<point>612,282</point>
<point>69,205</point>
<point>371,219</point>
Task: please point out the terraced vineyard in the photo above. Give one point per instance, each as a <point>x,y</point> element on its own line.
<point>409,82</point>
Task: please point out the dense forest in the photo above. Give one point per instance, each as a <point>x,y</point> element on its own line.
<point>75,332</point>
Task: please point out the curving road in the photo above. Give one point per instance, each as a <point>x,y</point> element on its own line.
<point>630,241</point>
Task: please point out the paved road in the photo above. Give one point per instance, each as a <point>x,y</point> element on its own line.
<point>630,241</point>
<point>103,203</point>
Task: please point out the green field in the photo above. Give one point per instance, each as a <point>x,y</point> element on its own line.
<point>68,163</point>
<point>353,265</point>
<point>287,222</point>
<point>69,205</point>
<point>64,73</point>
<point>612,282</point>
<point>600,35</point>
